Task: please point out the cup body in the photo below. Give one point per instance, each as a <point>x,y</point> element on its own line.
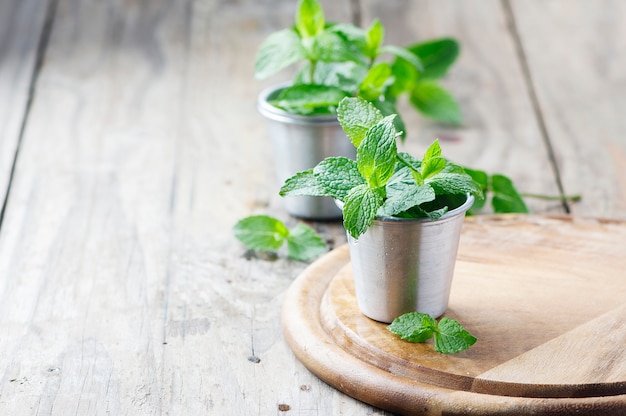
<point>299,143</point>
<point>406,265</point>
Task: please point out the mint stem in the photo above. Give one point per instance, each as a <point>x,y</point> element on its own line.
<point>312,71</point>
<point>573,198</point>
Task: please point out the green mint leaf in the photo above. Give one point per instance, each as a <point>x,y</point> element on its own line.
<point>355,42</point>
<point>414,166</point>
<point>308,98</point>
<point>414,327</point>
<point>375,82</point>
<point>451,337</point>
<point>505,197</point>
<point>303,184</point>
<point>359,209</point>
<point>374,38</point>
<point>405,54</point>
<point>404,79</point>
<point>376,155</point>
<point>437,56</point>
<point>388,108</point>
<point>432,100</point>
<point>261,232</point>
<point>454,184</point>
<point>338,175</point>
<point>402,196</point>
<point>356,117</point>
<point>482,179</point>
<point>432,162</point>
<point>433,151</point>
<point>278,51</point>
<point>309,18</point>
<point>343,75</point>
<point>334,46</point>
<point>304,244</point>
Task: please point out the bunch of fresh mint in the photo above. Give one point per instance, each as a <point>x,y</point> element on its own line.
<point>265,233</point>
<point>450,336</point>
<point>342,60</point>
<point>382,181</point>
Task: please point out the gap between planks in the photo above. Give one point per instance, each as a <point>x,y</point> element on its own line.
<point>530,87</point>
<point>42,46</point>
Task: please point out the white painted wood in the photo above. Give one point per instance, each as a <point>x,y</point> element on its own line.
<point>580,77</point>
<point>21,23</point>
<point>123,289</point>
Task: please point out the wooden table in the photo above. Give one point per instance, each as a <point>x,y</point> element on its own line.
<point>130,144</point>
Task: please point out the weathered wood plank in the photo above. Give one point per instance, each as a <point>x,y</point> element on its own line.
<point>123,290</point>
<point>21,23</point>
<point>225,172</point>
<point>499,133</point>
<point>576,53</point>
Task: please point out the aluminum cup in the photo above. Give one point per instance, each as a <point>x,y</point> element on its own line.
<point>299,143</point>
<point>406,265</point>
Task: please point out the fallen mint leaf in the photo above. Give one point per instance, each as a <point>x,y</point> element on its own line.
<point>261,232</point>
<point>451,337</point>
<point>414,327</point>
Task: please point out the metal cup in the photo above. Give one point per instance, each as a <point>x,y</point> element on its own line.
<point>406,265</point>
<point>299,143</point>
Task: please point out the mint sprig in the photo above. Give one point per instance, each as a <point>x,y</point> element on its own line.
<point>338,60</point>
<point>265,233</point>
<point>382,181</point>
<point>449,335</point>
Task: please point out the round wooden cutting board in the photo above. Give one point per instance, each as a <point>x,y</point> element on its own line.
<point>545,296</point>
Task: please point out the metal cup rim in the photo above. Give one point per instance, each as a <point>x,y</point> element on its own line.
<point>450,214</point>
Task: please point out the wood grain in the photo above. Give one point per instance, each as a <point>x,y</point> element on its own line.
<point>534,321</point>
<point>21,23</point>
<point>578,73</point>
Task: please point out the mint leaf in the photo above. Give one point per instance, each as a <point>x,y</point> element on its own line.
<point>374,38</point>
<point>414,327</point>
<point>482,179</point>
<point>402,196</point>
<point>303,184</point>
<point>376,155</point>
<point>309,18</point>
<point>334,46</point>
<point>454,184</point>
<point>278,51</point>
<point>436,56</point>
<point>506,198</point>
<point>261,232</point>
<point>309,98</point>
<point>359,209</point>
<point>377,78</point>
<point>432,162</point>
<point>265,233</point>
<point>338,175</point>
<point>388,108</point>
<point>356,116</point>
<point>451,337</point>
<point>404,78</point>
<point>304,244</point>
<point>343,75</point>
<point>405,54</point>
<point>434,101</point>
